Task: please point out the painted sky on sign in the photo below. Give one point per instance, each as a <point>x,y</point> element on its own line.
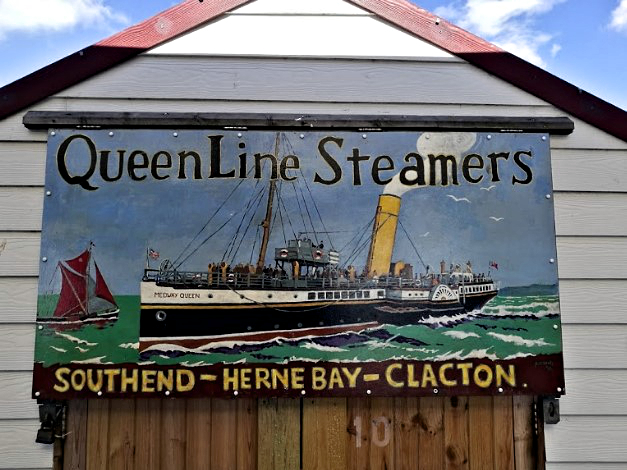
<point>582,42</point>
<point>498,221</point>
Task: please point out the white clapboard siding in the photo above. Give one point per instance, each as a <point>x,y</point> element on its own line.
<point>586,136</point>
<point>300,7</point>
<point>586,170</point>
<point>12,128</point>
<point>21,208</point>
<point>595,392</point>
<point>20,254</point>
<point>594,346</point>
<point>588,439</point>
<point>585,466</point>
<point>278,79</point>
<point>591,214</point>
<point>18,448</point>
<point>593,301</point>
<point>22,163</point>
<point>15,396</point>
<point>17,347</point>
<point>347,37</point>
<point>18,297</point>
<point>592,257</point>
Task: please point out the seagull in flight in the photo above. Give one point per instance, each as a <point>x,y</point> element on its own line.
<point>425,234</point>
<point>496,219</point>
<point>489,188</point>
<point>458,199</point>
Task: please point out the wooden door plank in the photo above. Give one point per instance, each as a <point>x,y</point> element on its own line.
<point>75,446</point>
<point>246,434</point>
<point>358,433</point>
<point>122,434</point>
<point>481,444</point>
<point>406,433</point>
<point>172,433</point>
<point>198,432</point>
<point>279,431</point>
<point>147,430</point>
<point>503,426</point>
<point>223,434</point>
<point>456,445</point>
<point>324,428</point>
<point>431,430</point>
<point>523,433</point>
<point>382,434</point>
<point>97,433</point>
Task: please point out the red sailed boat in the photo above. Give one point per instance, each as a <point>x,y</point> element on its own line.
<point>83,299</point>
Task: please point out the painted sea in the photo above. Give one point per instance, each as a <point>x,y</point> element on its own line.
<point>518,322</point>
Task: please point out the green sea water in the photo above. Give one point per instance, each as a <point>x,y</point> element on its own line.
<point>507,327</point>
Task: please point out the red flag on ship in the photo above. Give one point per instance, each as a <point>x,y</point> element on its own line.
<point>494,264</point>
<point>153,254</point>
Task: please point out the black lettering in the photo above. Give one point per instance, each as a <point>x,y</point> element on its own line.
<point>83,180</point>
<point>444,161</point>
<point>337,170</point>
<point>155,166</point>
<point>104,165</point>
<point>377,168</point>
<point>468,165</point>
<point>216,156</point>
<point>419,169</point>
<point>285,165</point>
<point>134,165</point>
<point>197,164</point>
<point>494,164</point>
<point>356,158</point>
<point>524,167</point>
<point>273,161</point>
<point>242,161</point>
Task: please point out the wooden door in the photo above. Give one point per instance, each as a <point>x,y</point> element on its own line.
<point>439,433</point>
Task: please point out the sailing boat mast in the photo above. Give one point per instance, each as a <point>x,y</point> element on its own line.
<point>268,218</point>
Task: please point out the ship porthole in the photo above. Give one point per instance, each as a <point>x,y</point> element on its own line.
<point>276,327</point>
<point>241,296</point>
<point>160,315</point>
<point>321,323</point>
<point>300,325</point>
<point>249,328</point>
<point>269,296</point>
<point>211,296</point>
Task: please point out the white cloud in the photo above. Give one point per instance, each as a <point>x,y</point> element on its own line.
<point>510,24</point>
<point>54,15</point>
<point>619,17</point>
<point>555,48</point>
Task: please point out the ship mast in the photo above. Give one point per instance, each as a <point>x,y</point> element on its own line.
<point>268,218</point>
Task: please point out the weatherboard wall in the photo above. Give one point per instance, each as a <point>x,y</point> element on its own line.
<point>589,174</point>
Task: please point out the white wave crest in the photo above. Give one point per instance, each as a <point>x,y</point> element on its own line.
<point>320,347</point>
<point>93,360</point>
<point>519,340</point>
<point>446,320</point>
<point>461,334</point>
<point>503,310</point>
<point>474,354</point>
<point>83,350</point>
<point>58,349</point>
<point>129,345</point>
<point>74,339</point>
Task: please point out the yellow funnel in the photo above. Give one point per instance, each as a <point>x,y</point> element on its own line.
<point>383,235</point>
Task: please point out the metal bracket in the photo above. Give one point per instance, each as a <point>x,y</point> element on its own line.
<point>52,417</point>
<point>551,410</point>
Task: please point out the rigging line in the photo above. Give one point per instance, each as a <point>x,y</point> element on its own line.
<point>359,247</point>
<point>412,243</point>
<point>203,242</point>
<point>252,251</point>
<point>289,220</point>
<point>231,244</point>
<point>279,212</point>
<point>316,207</point>
<point>357,252</point>
<point>313,228</point>
<point>300,210</point>
<point>359,233</point>
<point>211,218</point>
<point>252,216</point>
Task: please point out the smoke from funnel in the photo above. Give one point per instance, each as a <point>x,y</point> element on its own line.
<point>434,143</point>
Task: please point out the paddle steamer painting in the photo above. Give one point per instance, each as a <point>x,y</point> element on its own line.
<point>278,262</point>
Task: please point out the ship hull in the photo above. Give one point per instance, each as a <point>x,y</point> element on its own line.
<point>192,324</point>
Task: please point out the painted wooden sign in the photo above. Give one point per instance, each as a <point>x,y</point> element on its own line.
<point>225,262</point>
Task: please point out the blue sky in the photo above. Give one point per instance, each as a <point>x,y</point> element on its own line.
<point>491,220</point>
<point>581,41</point>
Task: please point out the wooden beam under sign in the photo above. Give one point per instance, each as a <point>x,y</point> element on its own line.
<point>259,121</point>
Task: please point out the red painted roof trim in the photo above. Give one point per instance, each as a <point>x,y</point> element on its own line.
<point>501,64</point>
<point>109,52</point>
<point>193,13</point>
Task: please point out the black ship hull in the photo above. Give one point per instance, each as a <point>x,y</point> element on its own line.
<point>192,326</point>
